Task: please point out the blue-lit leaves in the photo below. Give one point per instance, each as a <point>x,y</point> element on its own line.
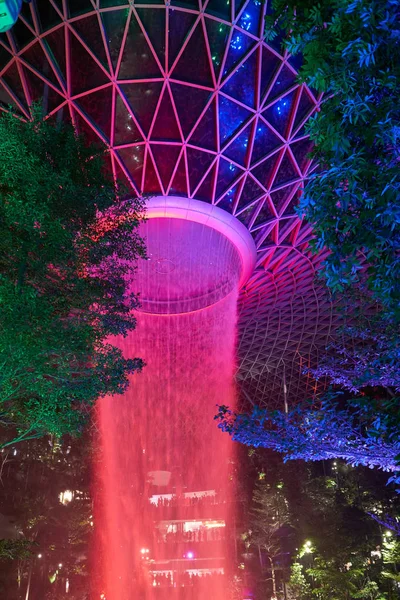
<point>250,17</point>
<point>186,96</point>
<point>198,163</point>
<point>239,46</point>
<point>217,34</point>
<point>228,173</point>
<point>194,71</point>
<point>239,148</point>
<point>242,84</point>
<point>205,134</point>
<point>277,114</point>
<point>231,118</point>
<point>285,80</point>
<point>265,141</point>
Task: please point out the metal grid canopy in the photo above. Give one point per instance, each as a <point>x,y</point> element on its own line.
<point>191,102</point>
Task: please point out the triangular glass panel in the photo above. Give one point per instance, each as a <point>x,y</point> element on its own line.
<point>153,20</point>
<point>109,3</point>
<point>238,6</point>
<point>26,14</point>
<point>269,66</point>
<point>198,163</point>
<point>286,172</point>
<point>186,3</point>
<point>48,16</point>
<point>98,106</point>
<point>179,184</point>
<point>265,142</point>
<point>165,126</point>
<point>133,158</point>
<point>5,57</point>
<point>40,90</point>
<point>59,4</point>
<point>228,200</point>
<point>205,191</point>
<point>5,99</point>
<point>220,8</point>
<point>38,60</point>
<point>264,215</point>
<point>305,107</point>
<point>125,128</point>
<point>285,80</point>
<point>205,134</point>
<point>264,171</point>
<point>114,22</point>
<point>246,215</point>
<point>194,71</point>
<point>242,84</point>
<point>238,149</point>
<point>187,96</point>
<point>86,130</point>
<point>137,61</point>
<point>165,157</point>
<point>296,61</point>
<point>13,80</point>
<point>278,114</point>
<point>79,7</point>
<point>250,17</point>
<point>22,34</point>
<point>88,29</point>
<point>301,151</point>
<point>227,174</point>
<point>120,176</point>
<point>250,192</point>
<point>55,43</point>
<point>143,98</point>
<point>280,198</point>
<point>151,184</point>
<point>231,118</point>
<point>240,45</point>
<point>86,73</point>
<point>180,24</point>
<point>217,34</point>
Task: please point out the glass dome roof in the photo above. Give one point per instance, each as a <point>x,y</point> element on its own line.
<point>191,102</point>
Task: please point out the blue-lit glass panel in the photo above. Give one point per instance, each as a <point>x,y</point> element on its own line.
<point>227,174</point>
<point>242,85</point>
<point>238,149</point>
<point>278,113</point>
<point>231,117</point>
<point>250,17</point>
<point>264,142</point>
<point>238,48</point>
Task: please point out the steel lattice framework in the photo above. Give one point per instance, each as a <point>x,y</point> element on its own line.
<point>191,101</point>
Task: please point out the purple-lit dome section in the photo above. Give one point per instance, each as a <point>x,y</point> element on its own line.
<point>192,103</point>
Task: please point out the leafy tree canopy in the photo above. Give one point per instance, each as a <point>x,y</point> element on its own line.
<point>68,246</point>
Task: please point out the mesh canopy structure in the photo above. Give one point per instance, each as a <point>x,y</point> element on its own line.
<point>192,102</point>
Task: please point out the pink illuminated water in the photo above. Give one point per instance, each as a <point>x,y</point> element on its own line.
<point>165,474</point>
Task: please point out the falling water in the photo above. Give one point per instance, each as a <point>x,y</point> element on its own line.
<point>165,514</point>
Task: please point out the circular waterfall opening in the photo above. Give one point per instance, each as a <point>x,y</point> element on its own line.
<point>197,254</point>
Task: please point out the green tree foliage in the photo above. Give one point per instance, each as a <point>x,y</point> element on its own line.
<point>351,55</point>
<point>15,549</point>
<point>68,246</point>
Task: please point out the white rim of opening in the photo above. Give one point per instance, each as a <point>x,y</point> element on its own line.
<point>174,207</point>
